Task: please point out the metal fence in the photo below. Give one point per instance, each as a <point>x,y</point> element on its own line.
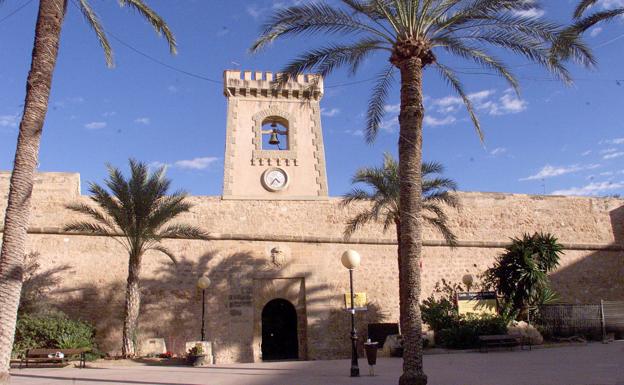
<point>613,317</point>
<point>571,320</point>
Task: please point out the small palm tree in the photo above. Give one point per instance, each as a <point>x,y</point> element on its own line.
<point>39,83</point>
<point>414,35</point>
<point>136,213</point>
<point>582,22</point>
<point>383,195</point>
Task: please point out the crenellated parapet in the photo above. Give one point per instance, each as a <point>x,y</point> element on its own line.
<point>264,85</point>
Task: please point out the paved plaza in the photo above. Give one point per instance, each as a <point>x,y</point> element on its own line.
<point>594,364</point>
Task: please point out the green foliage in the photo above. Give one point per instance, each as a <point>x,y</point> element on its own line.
<point>196,350</point>
<point>520,275</point>
<point>52,330</point>
<point>439,310</point>
<point>464,331</point>
<point>383,192</point>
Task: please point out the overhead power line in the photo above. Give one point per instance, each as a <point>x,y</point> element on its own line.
<point>16,10</point>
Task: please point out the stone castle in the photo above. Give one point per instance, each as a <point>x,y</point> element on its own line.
<point>276,235</point>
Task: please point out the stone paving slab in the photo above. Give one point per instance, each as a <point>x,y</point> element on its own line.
<point>595,364</point>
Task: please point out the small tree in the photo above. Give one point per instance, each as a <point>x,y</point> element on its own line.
<point>136,214</point>
<point>520,274</point>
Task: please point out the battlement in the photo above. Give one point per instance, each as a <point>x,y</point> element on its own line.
<point>264,85</point>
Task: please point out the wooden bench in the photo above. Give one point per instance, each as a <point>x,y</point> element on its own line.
<point>42,356</point>
<point>500,340</point>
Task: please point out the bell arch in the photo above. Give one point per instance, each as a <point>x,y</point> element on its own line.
<point>275,115</point>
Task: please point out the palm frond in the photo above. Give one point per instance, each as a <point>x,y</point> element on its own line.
<point>182,231</point>
<point>312,18</point>
<point>94,213</point>
<point>155,20</point>
<point>377,102</point>
<point>357,222</point>
<point>95,24</point>
<point>165,251</point>
<point>449,75</point>
<point>583,6</point>
<point>326,59</point>
<point>89,228</point>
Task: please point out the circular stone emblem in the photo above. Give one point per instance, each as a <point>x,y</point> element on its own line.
<point>274,179</point>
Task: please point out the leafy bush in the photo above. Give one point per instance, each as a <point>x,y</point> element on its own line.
<point>438,313</point>
<point>53,330</point>
<point>465,331</point>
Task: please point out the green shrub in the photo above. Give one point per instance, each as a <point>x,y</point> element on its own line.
<point>52,331</point>
<point>465,331</point>
<point>439,313</point>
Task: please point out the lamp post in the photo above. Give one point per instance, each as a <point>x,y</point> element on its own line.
<point>202,283</point>
<point>351,260</point>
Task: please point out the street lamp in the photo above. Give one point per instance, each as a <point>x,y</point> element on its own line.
<point>351,260</point>
<point>202,283</point>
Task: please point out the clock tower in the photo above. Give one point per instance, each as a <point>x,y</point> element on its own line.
<point>274,142</point>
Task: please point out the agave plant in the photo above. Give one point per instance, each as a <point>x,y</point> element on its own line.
<point>413,35</point>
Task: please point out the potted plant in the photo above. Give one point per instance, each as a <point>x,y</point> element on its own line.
<point>196,355</point>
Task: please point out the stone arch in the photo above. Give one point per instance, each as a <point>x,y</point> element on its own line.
<point>279,330</point>
<point>286,119</point>
<point>291,289</point>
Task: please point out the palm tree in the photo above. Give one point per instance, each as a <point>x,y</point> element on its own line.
<point>135,213</point>
<point>383,195</point>
<point>582,22</point>
<point>47,36</point>
<point>411,34</point>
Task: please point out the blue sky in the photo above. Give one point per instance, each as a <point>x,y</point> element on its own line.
<point>552,139</point>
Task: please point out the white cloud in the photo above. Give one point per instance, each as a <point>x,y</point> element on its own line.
<point>595,31</point>
<point>394,108</point>
<point>613,141</point>
<point>549,171</point>
<point>95,125</point>
<point>608,150</point>
<point>173,89</point>
<point>390,125</point>
<point>431,121</point>
<point>254,11</point>
<point>330,113</point>
<point>9,120</point>
<point>531,12</point>
<point>508,103</point>
<point>586,153</point>
<point>201,163</point>
<point>594,188</point>
<point>356,132</point>
<point>108,114</point>
<point>613,155</point>
<point>143,120</point>
<point>498,151</point>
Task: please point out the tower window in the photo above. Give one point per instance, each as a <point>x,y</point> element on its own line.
<point>275,133</point>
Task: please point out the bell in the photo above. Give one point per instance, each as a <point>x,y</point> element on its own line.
<point>274,140</point>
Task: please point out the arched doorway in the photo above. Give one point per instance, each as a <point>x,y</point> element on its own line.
<point>279,331</point>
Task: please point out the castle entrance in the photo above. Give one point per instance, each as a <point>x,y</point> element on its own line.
<point>279,331</point>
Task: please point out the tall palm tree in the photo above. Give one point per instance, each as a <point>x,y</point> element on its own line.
<point>383,196</point>
<point>411,34</point>
<point>47,36</point>
<point>136,213</point>
<point>582,22</point>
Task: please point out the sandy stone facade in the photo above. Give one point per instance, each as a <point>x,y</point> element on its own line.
<point>287,243</point>
<point>241,261</point>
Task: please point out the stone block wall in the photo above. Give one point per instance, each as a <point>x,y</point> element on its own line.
<point>245,276</point>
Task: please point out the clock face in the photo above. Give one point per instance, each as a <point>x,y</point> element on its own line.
<point>274,179</point>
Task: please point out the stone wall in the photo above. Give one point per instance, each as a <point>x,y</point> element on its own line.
<point>237,258</point>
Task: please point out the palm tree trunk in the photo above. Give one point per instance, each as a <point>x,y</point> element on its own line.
<point>410,159</point>
<point>45,51</point>
<point>397,224</point>
<point>133,305</point>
